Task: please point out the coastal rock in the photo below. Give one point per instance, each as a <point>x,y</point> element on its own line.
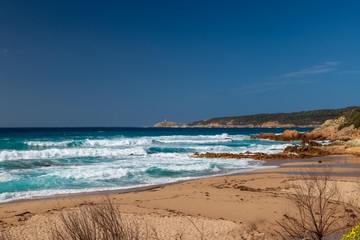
<point>291,135</point>
<point>287,135</point>
<point>306,151</point>
<point>291,152</point>
<point>335,130</point>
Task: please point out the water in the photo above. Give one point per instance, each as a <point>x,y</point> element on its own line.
<point>45,162</point>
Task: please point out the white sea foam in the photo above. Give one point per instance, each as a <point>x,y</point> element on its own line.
<point>116,142</point>
<point>48,143</point>
<point>269,149</point>
<point>186,167</point>
<point>199,139</point>
<point>217,148</point>
<point>10,196</point>
<point>141,141</point>
<point>92,172</point>
<point>69,153</point>
<point>6,177</point>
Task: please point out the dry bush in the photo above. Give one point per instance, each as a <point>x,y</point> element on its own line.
<point>97,222</point>
<point>319,208</point>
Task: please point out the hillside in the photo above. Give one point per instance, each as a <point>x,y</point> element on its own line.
<point>312,118</point>
<point>352,118</point>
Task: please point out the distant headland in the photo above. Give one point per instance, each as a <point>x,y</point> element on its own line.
<point>304,119</point>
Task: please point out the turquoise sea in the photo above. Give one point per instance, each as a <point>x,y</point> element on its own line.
<point>37,162</point>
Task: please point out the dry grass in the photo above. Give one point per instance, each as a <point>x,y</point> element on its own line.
<point>102,221</point>
<point>320,211</point>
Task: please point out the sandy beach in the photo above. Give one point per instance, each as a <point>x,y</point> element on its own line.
<point>242,206</point>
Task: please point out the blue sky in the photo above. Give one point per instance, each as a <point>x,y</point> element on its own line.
<point>134,63</point>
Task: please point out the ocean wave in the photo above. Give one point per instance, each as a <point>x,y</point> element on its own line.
<point>116,142</point>
<point>200,139</point>
<point>269,149</point>
<point>90,173</point>
<point>69,153</point>
<point>6,177</point>
<point>49,143</point>
<point>182,168</point>
<point>140,141</point>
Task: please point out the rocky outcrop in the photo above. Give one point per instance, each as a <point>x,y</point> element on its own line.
<point>167,124</point>
<point>291,152</point>
<point>343,132</point>
<point>306,151</point>
<point>331,130</point>
<point>287,135</point>
<point>336,129</point>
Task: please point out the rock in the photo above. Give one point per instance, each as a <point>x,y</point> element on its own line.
<point>314,144</point>
<point>287,135</point>
<point>290,152</point>
<point>291,135</point>
<point>330,131</point>
<point>290,149</point>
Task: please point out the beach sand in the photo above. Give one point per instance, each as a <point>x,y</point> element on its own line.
<point>242,206</point>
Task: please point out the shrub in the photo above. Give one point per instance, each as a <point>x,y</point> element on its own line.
<point>352,119</point>
<point>353,235</point>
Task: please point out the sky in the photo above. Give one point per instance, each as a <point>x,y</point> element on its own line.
<point>134,63</point>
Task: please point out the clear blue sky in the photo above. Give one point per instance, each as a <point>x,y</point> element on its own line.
<point>134,63</point>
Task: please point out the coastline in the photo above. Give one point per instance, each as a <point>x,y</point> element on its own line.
<point>237,201</point>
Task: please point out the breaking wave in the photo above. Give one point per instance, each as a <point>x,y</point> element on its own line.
<point>69,161</point>
<point>69,153</point>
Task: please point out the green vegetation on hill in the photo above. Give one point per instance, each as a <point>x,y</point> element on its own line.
<point>304,118</point>
<point>352,118</point>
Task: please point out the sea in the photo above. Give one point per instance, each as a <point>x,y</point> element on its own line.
<point>43,162</point>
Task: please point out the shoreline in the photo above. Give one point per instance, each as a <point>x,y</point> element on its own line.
<point>229,204</point>
<point>265,168</point>
<point>267,164</point>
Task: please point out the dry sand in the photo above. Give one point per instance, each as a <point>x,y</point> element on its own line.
<point>243,206</point>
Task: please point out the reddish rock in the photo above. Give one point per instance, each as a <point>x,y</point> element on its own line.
<point>291,135</point>
<point>287,135</point>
